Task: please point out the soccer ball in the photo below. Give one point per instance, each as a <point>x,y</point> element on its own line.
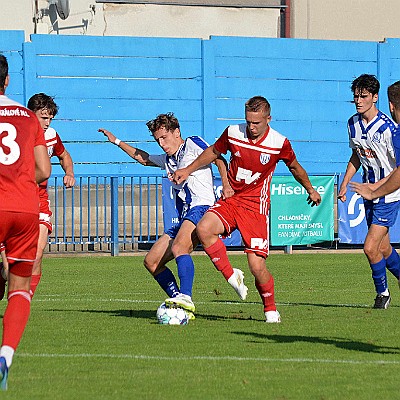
<point>171,315</point>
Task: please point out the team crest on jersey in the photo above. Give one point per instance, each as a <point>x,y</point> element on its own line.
<point>264,158</point>
<point>376,137</point>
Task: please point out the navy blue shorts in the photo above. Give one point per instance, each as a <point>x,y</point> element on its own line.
<point>383,214</point>
<point>193,215</point>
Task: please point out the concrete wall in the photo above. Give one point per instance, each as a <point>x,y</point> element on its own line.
<point>90,18</point>
<point>369,20</point>
<point>366,20</point>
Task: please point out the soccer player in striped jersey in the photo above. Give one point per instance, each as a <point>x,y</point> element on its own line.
<point>255,150</point>
<point>192,199</point>
<point>370,137</point>
<point>23,163</point>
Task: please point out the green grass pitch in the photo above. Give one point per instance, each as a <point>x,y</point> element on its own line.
<point>93,334</point>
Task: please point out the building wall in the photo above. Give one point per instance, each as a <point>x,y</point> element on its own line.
<point>106,19</point>
<point>369,20</point>
<point>365,20</point>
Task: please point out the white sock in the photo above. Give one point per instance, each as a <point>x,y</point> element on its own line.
<point>8,353</point>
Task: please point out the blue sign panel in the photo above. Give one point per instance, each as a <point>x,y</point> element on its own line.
<point>351,217</point>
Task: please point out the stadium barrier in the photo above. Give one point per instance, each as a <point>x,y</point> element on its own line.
<point>105,213</point>
<point>114,214</point>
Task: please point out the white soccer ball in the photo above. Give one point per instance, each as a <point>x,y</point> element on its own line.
<point>171,315</point>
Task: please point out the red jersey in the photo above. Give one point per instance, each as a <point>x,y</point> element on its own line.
<point>252,164</point>
<point>20,132</point>
<point>55,147</point>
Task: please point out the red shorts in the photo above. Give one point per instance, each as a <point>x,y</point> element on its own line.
<point>19,232</point>
<point>253,227</point>
<point>45,213</point>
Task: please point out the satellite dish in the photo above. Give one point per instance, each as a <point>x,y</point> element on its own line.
<point>62,7</point>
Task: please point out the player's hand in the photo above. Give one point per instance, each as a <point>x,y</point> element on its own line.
<point>314,199</point>
<point>69,180</point>
<point>342,194</point>
<point>363,189</point>
<point>180,176</point>
<point>227,192</point>
<point>108,134</point>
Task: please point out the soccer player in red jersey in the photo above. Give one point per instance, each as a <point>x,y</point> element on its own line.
<point>255,150</point>
<point>23,163</point>
<point>46,109</point>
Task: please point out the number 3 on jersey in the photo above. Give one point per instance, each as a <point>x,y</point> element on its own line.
<point>8,134</point>
<point>246,175</point>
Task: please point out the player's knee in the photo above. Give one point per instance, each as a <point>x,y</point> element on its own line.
<point>202,230</point>
<point>149,265</point>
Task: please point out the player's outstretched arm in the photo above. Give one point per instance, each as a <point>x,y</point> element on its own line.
<point>68,166</point>
<point>140,156</point>
<point>42,162</point>
<point>208,156</point>
<point>300,174</point>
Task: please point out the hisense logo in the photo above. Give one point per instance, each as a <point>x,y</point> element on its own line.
<point>283,190</point>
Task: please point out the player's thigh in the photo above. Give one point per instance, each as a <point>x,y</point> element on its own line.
<point>186,239</point>
<point>210,225</point>
<point>43,239</point>
<point>159,254</point>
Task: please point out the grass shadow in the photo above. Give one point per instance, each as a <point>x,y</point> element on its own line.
<point>342,343</point>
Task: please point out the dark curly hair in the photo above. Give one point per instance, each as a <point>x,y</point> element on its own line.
<point>167,121</point>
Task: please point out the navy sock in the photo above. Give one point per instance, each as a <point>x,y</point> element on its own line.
<point>186,273</point>
<point>379,276</point>
<point>167,281</point>
<point>393,263</point>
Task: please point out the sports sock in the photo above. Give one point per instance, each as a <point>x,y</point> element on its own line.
<point>267,294</point>
<point>186,273</point>
<point>167,282</point>
<point>8,353</point>
<point>219,257</point>
<point>379,276</point>
<point>393,263</point>
<point>34,283</point>
<point>16,317</point>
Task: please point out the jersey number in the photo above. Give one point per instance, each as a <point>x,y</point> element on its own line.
<point>8,141</point>
<point>246,175</point>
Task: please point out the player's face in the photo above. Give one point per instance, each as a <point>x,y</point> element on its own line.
<point>364,101</point>
<point>257,123</point>
<point>44,118</point>
<point>169,141</point>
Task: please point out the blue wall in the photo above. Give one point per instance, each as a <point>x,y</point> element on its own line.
<point>119,83</point>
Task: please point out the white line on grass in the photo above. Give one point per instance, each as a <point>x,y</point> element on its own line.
<point>82,299</point>
<point>210,358</point>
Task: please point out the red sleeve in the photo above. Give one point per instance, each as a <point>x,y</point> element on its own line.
<point>221,145</point>
<point>58,147</point>
<point>287,154</point>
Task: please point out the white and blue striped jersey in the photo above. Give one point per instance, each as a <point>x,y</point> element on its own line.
<point>374,146</point>
<point>198,189</point>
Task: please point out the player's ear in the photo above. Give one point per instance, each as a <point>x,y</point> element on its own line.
<point>375,97</point>
<point>7,81</point>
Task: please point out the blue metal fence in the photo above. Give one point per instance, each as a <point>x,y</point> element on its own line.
<point>105,213</point>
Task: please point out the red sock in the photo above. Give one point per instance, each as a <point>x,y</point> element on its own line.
<point>34,283</point>
<point>267,294</point>
<point>219,257</point>
<point>16,317</point>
